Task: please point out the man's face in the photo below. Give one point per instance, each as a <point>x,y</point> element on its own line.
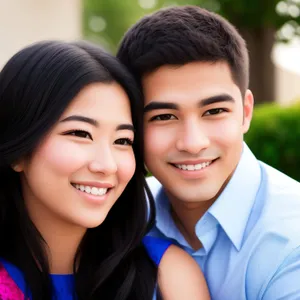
<point>195,118</point>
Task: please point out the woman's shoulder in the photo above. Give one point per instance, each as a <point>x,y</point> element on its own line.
<point>176,269</point>
<point>180,271</point>
<point>13,285</point>
<point>156,247</point>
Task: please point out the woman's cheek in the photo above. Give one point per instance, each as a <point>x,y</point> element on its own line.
<point>126,167</point>
<point>64,156</point>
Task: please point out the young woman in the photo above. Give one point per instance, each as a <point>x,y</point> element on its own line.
<point>73,211</point>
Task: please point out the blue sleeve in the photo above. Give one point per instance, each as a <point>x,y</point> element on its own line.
<point>156,247</point>
<point>285,284</point>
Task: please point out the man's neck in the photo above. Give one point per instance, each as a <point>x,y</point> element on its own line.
<point>186,216</point>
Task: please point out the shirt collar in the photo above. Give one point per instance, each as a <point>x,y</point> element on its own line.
<point>233,207</point>
<point>164,221</point>
<point>231,210</point>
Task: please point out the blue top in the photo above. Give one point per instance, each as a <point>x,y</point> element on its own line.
<point>250,235</point>
<point>64,284</point>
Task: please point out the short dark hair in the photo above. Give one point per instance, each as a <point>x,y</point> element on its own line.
<point>182,34</point>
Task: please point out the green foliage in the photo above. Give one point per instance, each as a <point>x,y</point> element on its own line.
<point>105,22</point>
<point>274,137</point>
<point>255,13</point>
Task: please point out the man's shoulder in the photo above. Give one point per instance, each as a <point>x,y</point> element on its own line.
<point>280,195</point>
<point>275,215</point>
<point>277,185</point>
<point>277,177</point>
<point>272,240</point>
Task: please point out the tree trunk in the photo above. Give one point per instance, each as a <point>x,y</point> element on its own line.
<point>262,70</point>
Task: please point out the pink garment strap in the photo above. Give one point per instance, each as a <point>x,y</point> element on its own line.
<point>8,288</point>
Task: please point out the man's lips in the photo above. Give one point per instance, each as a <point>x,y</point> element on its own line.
<point>193,162</point>
<point>195,165</point>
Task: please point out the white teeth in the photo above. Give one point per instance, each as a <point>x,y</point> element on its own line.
<point>198,166</point>
<point>91,189</point>
<point>194,167</point>
<point>94,191</point>
<point>102,191</point>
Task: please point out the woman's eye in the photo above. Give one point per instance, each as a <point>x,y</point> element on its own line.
<point>164,117</point>
<point>214,111</point>
<point>80,133</point>
<point>124,142</point>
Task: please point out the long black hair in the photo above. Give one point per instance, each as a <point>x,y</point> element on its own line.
<point>36,86</point>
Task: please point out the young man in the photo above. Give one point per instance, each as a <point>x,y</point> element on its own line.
<point>238,217</point>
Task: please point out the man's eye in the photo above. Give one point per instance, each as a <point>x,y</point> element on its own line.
<point>124,142</point>
<point>80,134</point>
<point>164,117</point>
<point>214,111</point>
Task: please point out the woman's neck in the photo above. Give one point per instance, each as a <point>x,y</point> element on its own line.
<point>62,247</point>
<point>62,240</point>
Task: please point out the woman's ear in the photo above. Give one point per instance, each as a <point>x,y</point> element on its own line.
<point>17,167</point>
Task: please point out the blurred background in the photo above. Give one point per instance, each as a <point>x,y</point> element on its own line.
<point>271,29</point>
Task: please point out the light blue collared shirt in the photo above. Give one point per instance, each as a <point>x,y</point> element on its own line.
<point>250,235</point>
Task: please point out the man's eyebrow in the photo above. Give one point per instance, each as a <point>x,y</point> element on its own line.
<point>125,127</point>
<point>81,119</point>
<point>160,105</point>
<point>216,99</point>
<point>155,105</point>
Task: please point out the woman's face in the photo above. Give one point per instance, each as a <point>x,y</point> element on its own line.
<point>84,164</point>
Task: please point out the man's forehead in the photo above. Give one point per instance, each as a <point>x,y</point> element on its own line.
<point>188,82</point>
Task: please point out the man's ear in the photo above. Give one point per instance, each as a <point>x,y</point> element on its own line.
<point>248,110</point>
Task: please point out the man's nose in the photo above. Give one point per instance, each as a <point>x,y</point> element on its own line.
<point>192,138</point>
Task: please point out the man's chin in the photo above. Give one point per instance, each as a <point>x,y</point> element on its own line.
<point>190,197</point>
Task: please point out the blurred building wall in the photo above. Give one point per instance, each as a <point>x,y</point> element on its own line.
<point>287,72</point>
<point>287,86</point>
<point>26,21</point>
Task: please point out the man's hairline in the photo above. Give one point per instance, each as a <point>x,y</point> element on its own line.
<point>177,66</point>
